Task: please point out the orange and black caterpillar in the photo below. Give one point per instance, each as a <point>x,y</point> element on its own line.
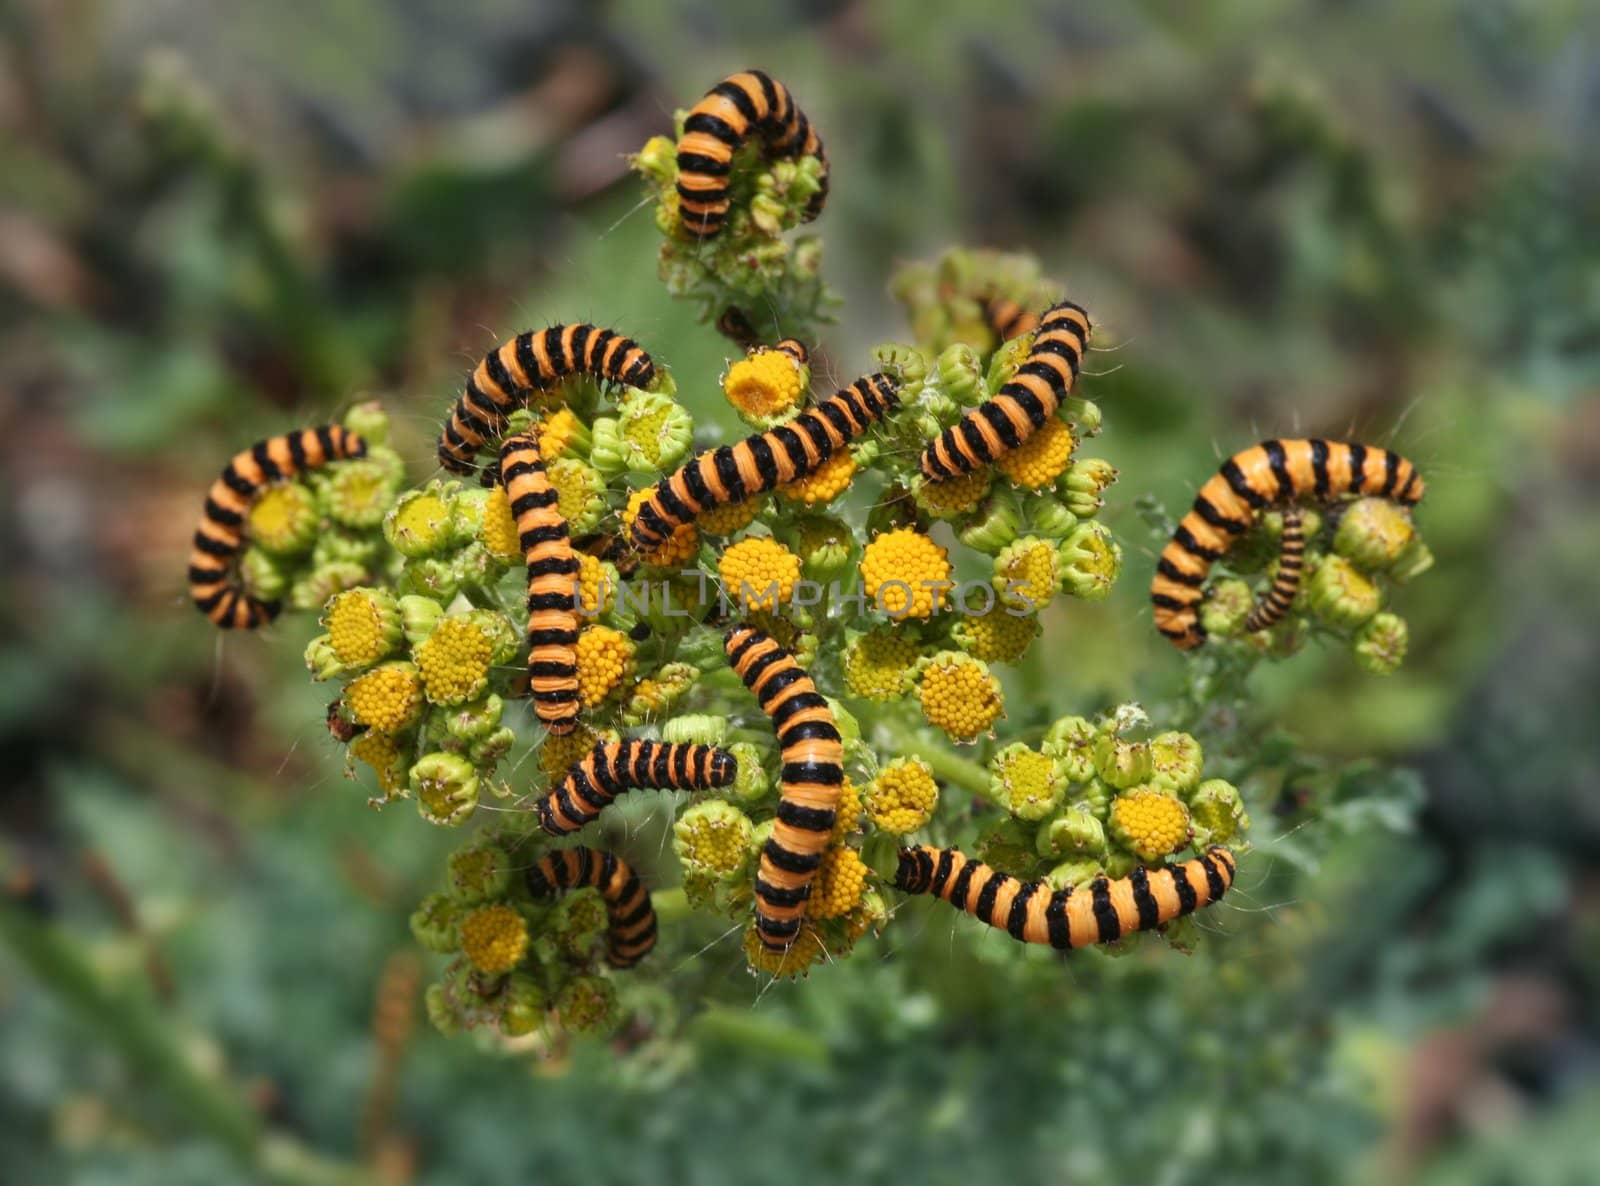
<point>1272,472</point>
<point>220,536</point>
<point>1099,912</point>
<point>552,584</point>
<point>612,768</point>
<point>1009,319</point>
<point>795,349</point>
<point>1023,405</point>
<point>812,780</point>
<point>757,464</point>
<point>631,932</point>
<point>1269,611</point>
<point>741,104</point>
<point>534,361</point>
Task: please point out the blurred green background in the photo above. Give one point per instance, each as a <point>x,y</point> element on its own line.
<point>1359,219</point>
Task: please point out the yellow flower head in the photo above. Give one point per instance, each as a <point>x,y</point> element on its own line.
<point>499,529</point>
<point>382,752</point>
<point>596,585</point>
<point>283,520</point>
<point>903,796</point>
<point>952,496</point>
<point>605,656</point>
<point>998,636</point>
<point>878,665</point>
<point>1025,782</point>
<point>580,489</point>
<point>1039,460</point>
<point>363,626</point>
<point>825,483</point>
<point>557,430</point>
<point>960,696</point>
<point>766,384</point>
<point>419,524</point>
<point>840,881</point>
<point>559,753</point>
<point>760,573</point>
<point>454,660</point>
<point>494,938</point>
<point>1026,573</point>
<point>587,1004</point>
<point>676,549</point>
<point>900,569</point>
<point>387,698</point>
<point>1150,823</point>
<point>729,517</point>
<point>713,838</point>
<point>792,962</point>
<point>847,815</point>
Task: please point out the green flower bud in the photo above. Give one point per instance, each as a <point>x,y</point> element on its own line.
<point>1090,562</point>
<point>845,720</point>
<point>1007,357</point>
<point>903,362</point>
<point>1078,871</point>
<point>284,520</point>
<point>1073,831</point>
<point>338,544</point>
<point>577,921</point>
<point>432,577</point>
<point>1083,414</point>
<point>807,257</point>
<point>418,617</point>
<point>311,592</point>
<point>1097,796</point>
<point>522,1006</point>
<point>1226,607</point>
<point>657,161</point>
<point>587,1005</point>
<point>479,871</point>
<point>263,576</point>
<point>442,1013</point>
<point>321,660</point>
<point>1025,782</point>
<point>1071,742</point>
<point>1218,812</point>
<point>713,838</point>
<point>995,523</point>
<point>751,783</point>
<point>655,432</point>
<point>1009,847</point>
<point>446,787</point>
<point>1119,864</point>
<point>368,421</point>
<point>1120,762</point>
<point>1341,594</point>
<point>433,923</point>
<point>488,751</point>
<point>961,374</point>
<point>474,720</point>
<point>421,522</point>
<point>824,544</point>
<point>768,214</point>
<point>1380,645</point>
<point>1374,533</point>
<point>609,452</point>
<point>695,729</point>
<point>475,567</point>
<point>1413,562</point>
<point>358,493</point>
<point>1176,761</point>
<point>1083,484</point>
<point>1050,515</point>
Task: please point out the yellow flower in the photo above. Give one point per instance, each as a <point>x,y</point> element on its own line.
<point>1025,782</point>
<point>499,529</point>
<point>952,496</point>
<point>729,517</point>
<point>382,752</point>
<point>840,881</point>
<point>363,626</point>
<point>1039,460</point>
<point>847,815</point>
<point>825,483</point>
<point>960,696</point>
<point>713,838</point>
<point>1150,823</point>
<point>900,569</point>
<point>283,520</point>
<point>556,432</point>
<point>387,698</point>
<point>580,490</point>
<point>765,384</point>
<point>1025,574</point>
<point>998,636</point>
<point>594,583</point>
<point>676,549</point>
<point>419,524</point>
<point>605,657</point>
<point>454,661</point>
<point>903,796</point>
<point>559,753</point>
<point>793,961</point>
<point>877,665</point>
<point>494,938</point>
<point>760,573</point>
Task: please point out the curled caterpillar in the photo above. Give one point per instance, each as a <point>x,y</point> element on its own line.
<point>1009,319</point>
<point>1272,472</point>
<point>1099,912</point>
<point>220,536</point>
<point>741,104</point>
<point>812,780</point>
<point>1028,399</point>
<point>610,769</point>
<point>631,929</point>
<point>552,584</point>
<point>758,464</point>
<point>1269,611</point>
<point>534,361</point>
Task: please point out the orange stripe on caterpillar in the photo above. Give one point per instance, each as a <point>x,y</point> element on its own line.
<point>1273,472</point>
<point>613,768</point>
<point>1278,600</point>
<point>534,361</point>
<point>811,780</point>
<point>631,929</point>
<point>741,105</point>
<point>1008,319</point>
<point>213,585</point>
<point>1100,912</point>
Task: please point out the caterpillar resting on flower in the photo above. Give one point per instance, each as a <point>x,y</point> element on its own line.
<point>631,930</point>
<point>220,536</point>
<point>795,349</point>
<point>1099,912</point>
<point>812,779</point>
<point>741,104</point>
<point>1009,319</point>
<point>758,464</point>
<point>534,361</point>
<point>552,584</point>
<point>1024,404</point>
<point>1291,567</point>
<point>1276,471</point>
<point>610,769</point>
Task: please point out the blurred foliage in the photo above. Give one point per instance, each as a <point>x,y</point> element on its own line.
<point>1355,219</point>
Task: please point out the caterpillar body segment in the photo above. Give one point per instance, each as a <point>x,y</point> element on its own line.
<point>1278,600</point>
<point>614,768</point>
<point>1008,319</point>
<point>631,920</point>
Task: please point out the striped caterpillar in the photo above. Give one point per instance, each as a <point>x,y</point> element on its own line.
<point>740,104</point>
<point>760,463</point>
<point>610,769</point>
<point>1099,912</point>
<point>220,536</point>
<point>1272,472</point>
<point>795,349</point>
<point>534,361</point>
<point>1009,319</point>
<point>631,932</point>
<point>812,780</point>
<point>1023,405</point>
<point>1269,611</point>
<point>552,584</point>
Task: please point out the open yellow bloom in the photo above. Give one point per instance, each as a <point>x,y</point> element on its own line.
<point>960,696</point>
<point>729,517</point>
<point>952,496</point>
<point>1039,460</point>
<point>387,698</point>
<point>998,636</point>
<point>792,962</point>
<point>765,384</point>
<point>1026,574</point>
<point>596,586</point>
<point>283,520</point>
<point>1150,823</point>
<point>676,549</point>
<point>499,529</point>
<point>901,569</point>
<point>560,752</point>
<point>825,483</point>
<point>847,815</point>
<point>382,752</point>
<point>494,938</point>
<point>455,661</point>
<point>840,881</point>
<point>556,433</point>
<point>902,798</point>
<point>605,657</point>
<point>759,573</point>
<point>363,626</point>
<point>877,665</point>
